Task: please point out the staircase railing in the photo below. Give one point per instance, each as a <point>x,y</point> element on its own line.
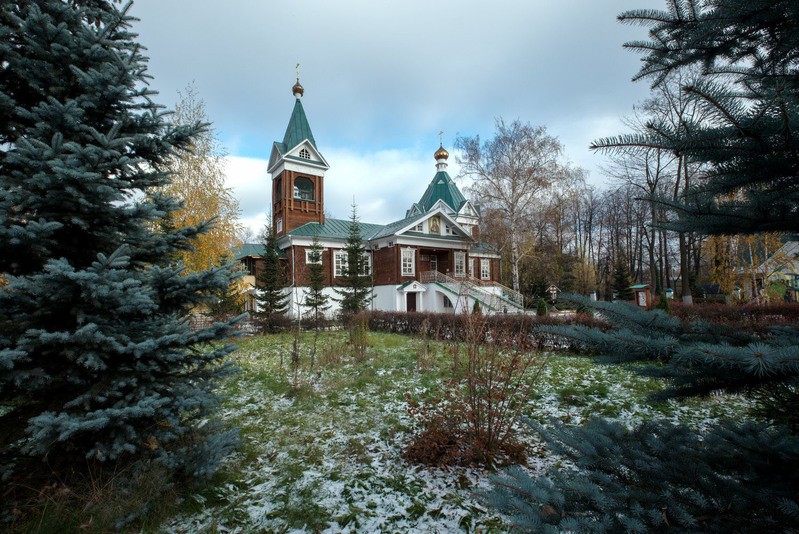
<point>506,292</point>
<point>474,290</point>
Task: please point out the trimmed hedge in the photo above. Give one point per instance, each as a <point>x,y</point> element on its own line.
<point>526,328</point>
<point>756,318</point>
<point>455,327</point>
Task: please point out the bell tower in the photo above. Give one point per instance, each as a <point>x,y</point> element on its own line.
<point>298,170</point>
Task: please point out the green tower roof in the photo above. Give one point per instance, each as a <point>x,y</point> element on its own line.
<point>298,129</point>
<point>442,188</point>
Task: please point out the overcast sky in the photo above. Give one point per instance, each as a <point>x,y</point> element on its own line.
<point>382,78</point>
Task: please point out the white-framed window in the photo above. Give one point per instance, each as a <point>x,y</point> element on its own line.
<point>304,154</point>
<point>408,262</point>
<point>309,257</point>
<point>419,227</point>
<point>279,224</point>
<point>367,264</point>
<point>433,263</point>
<point>339,262</point>
<point>460,263</point>
<point>449,230</point>
<point>485,269</point>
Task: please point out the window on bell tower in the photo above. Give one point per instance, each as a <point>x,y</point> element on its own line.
<point>304,154</point>
<point>303,188</point>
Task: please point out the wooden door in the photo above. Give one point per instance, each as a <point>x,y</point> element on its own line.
<point>410,302</point>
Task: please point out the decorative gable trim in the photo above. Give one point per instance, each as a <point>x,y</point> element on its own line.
<point>274,157</point>
<point>415,210</point>
<point>306,152</point>
<point>294,161</point>
<point>445,218</point>
<point>440,204</point>
<point>412,287</point>
<point>467,210</point>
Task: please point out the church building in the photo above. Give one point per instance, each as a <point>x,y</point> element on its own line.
<point>430,260</point>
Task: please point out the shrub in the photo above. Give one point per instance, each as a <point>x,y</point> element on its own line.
<point>473,421</point>
<point>426,347</point>
<point>454,327</point>
<point>752,317</point>
<point>359,338</point>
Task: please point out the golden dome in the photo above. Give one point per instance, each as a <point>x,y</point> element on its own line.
<point>441,153</point>
<point>297,89</point>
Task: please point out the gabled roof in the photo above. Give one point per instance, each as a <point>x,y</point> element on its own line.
<point>392,228</point>
<point>468,210</point>
<point>785,259</point>
<point>442,188</point>
<point>397,227</point>
<point>415,210</point>
<point>334,229</point>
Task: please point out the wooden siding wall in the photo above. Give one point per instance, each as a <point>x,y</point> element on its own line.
<point>384,264</point>
<point>293,211</point>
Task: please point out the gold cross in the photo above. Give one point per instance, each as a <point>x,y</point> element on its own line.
<point>298,72</point>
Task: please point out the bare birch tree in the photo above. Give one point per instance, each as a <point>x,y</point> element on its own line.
<point>511,171</point>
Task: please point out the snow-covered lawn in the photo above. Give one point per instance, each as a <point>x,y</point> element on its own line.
<point>324,453</point>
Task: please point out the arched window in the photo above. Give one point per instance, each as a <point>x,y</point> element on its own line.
<point>303,188</point>
<point>279,188</point>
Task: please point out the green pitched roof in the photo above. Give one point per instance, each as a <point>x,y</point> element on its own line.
<point>484,247</point>
<point>256,250</point>
<point>248,249</point>
<point>334,229</point>
<point>390,228</point>
<point>298,129</point>
<point>442,188</point>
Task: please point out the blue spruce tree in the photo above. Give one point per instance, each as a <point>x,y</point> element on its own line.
<point>736,476</point>
<point>98,365</point>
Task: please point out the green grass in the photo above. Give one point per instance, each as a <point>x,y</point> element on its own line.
<point>324,451</point>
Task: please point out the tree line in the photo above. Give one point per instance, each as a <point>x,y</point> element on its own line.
<point>553,227</point>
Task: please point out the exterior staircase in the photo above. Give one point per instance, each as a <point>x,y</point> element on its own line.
<point>492,296</point>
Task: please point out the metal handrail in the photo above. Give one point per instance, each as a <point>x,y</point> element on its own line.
<point>474,289</point>
<point>508,293</point>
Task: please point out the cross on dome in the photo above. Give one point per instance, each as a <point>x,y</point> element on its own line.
<point>298,89</point>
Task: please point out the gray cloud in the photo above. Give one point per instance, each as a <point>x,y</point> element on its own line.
<point>383,76</point>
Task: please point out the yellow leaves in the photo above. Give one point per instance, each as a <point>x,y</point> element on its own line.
<point>747,260</point>
<point>723,262</point>
<point>198,181</point>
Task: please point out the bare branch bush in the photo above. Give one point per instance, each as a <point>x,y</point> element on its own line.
<point>473,421</point>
